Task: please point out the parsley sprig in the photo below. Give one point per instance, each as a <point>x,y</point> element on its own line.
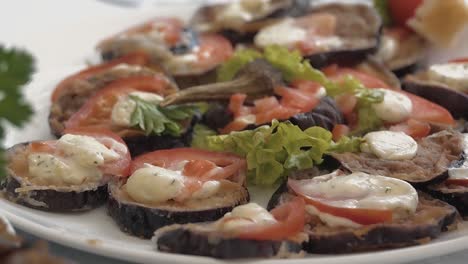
<point>16,69</point>
<point>157,120</point>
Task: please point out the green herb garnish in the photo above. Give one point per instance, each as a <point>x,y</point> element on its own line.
<point>157,120</point>
<point>16,68</point>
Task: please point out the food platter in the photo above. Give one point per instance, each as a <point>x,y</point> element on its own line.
<point>95,232</point>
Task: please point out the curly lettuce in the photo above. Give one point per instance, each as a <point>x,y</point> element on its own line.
<point>228,70</point>
<point>274,151</point>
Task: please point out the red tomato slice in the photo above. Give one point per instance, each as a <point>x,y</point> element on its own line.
<point>460,182</point>
<point>346,103</point>
<point>198,168</point>
<point>307,86</point>
<point>266,104</point>
<point>460,60</point>
<point>97,110</point>
<point>423,110</point>
<point>297,99</point>
<point>279,113</point>
<point>291,220</point>
<point>293,101</point>
<point>43,146</point>
<point>357,215</point>
<point>230,165</point>
<point>136,58</point>
<point>339,130</point>
<point>170,27</point>
<point>427,111</point>
<point>402,10</point>
<point>336,73</point>
<point>413,128</point>
<point>212,51</point>
<point>236,105</point>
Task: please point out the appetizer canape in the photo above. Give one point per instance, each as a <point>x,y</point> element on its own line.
<point>177,186</point>
<point>188,56</point>
<point>68,174</point>
<point>249,231</point>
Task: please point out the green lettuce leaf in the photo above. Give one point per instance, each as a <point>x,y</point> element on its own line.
<point>274,151</point>
<point>228,70</point>
<point>200,135</point>
<point>294,67</point>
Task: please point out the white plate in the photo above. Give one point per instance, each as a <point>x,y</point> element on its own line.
<point>96,232</point>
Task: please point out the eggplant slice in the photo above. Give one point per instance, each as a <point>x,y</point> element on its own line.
<point>50,198</point>
<point>435,155</point>
<point>207,19</point>
<point>79,91</point>
<point>432,217</point>
<point>204,240</point>
<point>454,101</point>
<point>142,220</point>
<point>455,195</point>
<point>358,28</point>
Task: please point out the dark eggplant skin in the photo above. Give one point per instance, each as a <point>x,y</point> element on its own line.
<point>455,102</point>
<point>413,231</point>
<point>50,199</point>
<point>140,144</point>
<point>431,218</point>
<point>325,115</point>
<point>182,239</point>
<point>247,32</point>
<point>445,147</point>
<point>142,221</point>
<point>451,194</point>
<point>456,195</point>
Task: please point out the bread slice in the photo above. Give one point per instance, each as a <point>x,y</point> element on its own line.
<point>440,21</point>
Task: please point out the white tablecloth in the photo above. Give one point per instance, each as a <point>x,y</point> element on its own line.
<point>60,33</point>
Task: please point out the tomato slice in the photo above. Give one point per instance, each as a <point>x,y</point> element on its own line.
<point>97,110</point>
<point>300,99</point>
<point>460,60</point>
<point>136,58</point>
<point>43,146</point>
<point>423,110</point>
<point>290,218</point>
<point>213,50</point>
<point>460,182</point>
<point>402,10</point>
<point>357,215</point>
<point>336,73</point>
<point>198,161</point>
<point>427,111</point>
<point>198,168</point>
<point>170,27</point>
<point>346,103</point>
<point>413,128</point>
<point>120,167</point>
<point>339,130</point>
